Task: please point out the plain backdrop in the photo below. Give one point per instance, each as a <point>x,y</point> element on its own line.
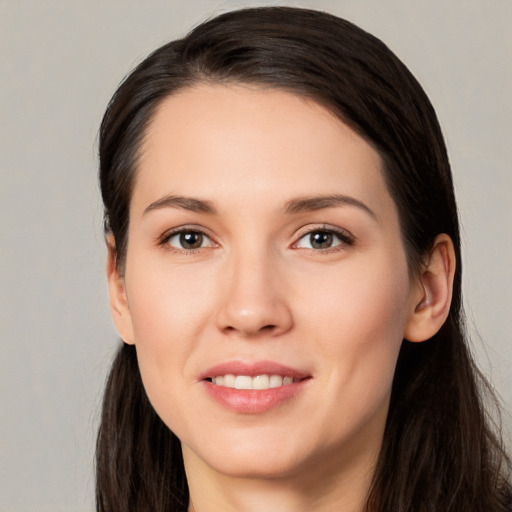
<point>60,63</point>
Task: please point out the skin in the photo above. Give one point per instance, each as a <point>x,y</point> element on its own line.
<point>258,290</point>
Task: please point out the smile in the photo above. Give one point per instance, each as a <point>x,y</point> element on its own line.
<point>260,382</point>
<point>254,387</point>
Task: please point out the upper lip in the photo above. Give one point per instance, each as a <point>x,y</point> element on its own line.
<point>252,369</point>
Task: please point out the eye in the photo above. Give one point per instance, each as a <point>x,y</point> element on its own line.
<point>187,240</point>
<point>322,239</point>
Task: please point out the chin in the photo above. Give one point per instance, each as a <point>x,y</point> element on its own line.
<point>261,466</point>
<point>262,456</point>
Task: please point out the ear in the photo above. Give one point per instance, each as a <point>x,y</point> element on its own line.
<point>432,294</point>
<point>119,307</point>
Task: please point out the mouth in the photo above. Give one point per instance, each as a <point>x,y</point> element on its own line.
<point>260,382</point>
<point>255,387</point>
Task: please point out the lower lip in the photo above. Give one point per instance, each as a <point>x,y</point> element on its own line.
<point>252,401</point>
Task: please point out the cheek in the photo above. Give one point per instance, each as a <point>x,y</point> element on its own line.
<point>358,322</point>
<point>358,329</point>
<point>168,312</point>
<point>167,303</point>
<point>368,294</point>
<point>166,316</point>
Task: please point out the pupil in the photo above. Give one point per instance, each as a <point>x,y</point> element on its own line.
<point>321,240</point>
<point>191,240</point>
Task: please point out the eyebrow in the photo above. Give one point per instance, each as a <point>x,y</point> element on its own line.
<point>297,205</point>
<point>308,204</point>
<point>183,203</point>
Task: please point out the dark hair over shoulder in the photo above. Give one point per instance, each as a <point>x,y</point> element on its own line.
<point>440,452</point>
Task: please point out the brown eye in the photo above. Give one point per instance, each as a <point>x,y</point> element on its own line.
<point>189,240</point>
<point>192,240</point>
<point>323,239</point>
<point>320,240</point>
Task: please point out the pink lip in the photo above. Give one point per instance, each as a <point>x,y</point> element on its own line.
<point>252,369</point>
<point>250,401</point>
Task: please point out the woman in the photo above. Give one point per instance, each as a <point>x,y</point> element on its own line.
<point>284,271</point>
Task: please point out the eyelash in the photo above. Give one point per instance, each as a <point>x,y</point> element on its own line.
<point>345,238</point>
<point>164,240</point>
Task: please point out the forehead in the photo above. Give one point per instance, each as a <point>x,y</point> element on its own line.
<point>240,143</point>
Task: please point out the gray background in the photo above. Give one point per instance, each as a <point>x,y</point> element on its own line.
<point>60,62</point>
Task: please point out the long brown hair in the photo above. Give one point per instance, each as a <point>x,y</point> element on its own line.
<point>439,451</point>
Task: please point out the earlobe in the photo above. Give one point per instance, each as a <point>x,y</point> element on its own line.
<point>119,307</point>
<point>431,297</point>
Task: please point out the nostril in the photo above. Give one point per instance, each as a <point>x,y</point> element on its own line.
<point>264,329</point>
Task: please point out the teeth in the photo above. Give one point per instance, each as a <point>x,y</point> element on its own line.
<point>248,382</point>
<point>243,382</point>
<point>229,381</point>
<point>275,381</point>
<point>260,382</point>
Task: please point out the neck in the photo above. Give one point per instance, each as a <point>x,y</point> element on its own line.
<point>314,488</point>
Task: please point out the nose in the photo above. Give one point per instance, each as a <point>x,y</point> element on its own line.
<point>254,299</point>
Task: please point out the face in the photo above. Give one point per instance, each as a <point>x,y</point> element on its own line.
<point>264,250</point>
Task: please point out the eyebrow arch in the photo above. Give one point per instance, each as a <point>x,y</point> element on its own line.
<point>184,203</point>
<point>308,204</point>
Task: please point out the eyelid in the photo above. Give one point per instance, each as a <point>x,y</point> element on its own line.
<point>345,236</point>
<point>165,237</point>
